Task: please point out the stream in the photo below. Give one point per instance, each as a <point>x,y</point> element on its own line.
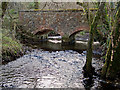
<point>54,68</point>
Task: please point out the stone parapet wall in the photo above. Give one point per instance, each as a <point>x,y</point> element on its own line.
<point>61,21</point>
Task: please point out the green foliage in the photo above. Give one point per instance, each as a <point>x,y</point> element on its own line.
<point>65,38</point>
<point>31,5</point>
<point>112,61</point>
<point>10,19</point>
<point>10,47</point>
<point>11,11</point>
<point>9,44</point>
<point>82,33</point>
<point>0,9</point>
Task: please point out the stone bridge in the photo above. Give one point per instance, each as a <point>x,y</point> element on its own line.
<point>64,22</point>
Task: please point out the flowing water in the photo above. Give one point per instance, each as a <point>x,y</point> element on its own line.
<point>56,68</point>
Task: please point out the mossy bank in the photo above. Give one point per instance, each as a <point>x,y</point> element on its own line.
<point>11,47</point>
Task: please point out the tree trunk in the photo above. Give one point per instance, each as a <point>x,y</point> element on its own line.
<point>107,60</point>
<point>88,66</point>
<point>111,67</point>
<point>36,4</point>
<point>4,7</point>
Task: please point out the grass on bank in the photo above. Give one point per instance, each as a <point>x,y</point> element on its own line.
<point>11,48</point>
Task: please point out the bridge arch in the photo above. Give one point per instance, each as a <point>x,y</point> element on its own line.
<point>79,29</point>
<point>72,35</point>
<point>42,30</point>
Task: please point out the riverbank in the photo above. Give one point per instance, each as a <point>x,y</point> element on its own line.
<point>11,49</point>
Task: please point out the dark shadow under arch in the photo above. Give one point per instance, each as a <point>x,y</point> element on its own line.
<point>41,32</point>
<point>80,29</point>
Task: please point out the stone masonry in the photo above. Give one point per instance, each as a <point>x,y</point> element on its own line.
<point>63,22</point>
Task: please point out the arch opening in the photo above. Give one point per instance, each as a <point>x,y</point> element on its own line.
<point>77,32</point>
<point>53,33</point>
<point>44,31</point>
<point>80,29</point>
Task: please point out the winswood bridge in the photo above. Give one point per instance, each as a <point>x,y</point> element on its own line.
<point>66,23</point>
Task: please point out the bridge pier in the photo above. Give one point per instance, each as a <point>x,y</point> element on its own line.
<point>43,37</point>
<point>66,40</point>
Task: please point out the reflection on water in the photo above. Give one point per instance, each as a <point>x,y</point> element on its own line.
<point>88,83</point>
<point>54,44</point>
